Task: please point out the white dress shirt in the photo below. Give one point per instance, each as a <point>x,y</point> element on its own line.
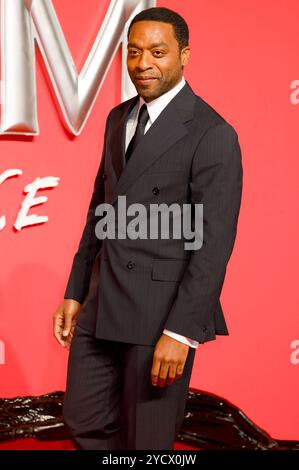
<point>154,108</point>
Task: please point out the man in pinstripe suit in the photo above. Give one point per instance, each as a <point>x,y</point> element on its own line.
<point>135,310</point>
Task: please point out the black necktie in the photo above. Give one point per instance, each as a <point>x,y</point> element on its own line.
<point>139,132</point>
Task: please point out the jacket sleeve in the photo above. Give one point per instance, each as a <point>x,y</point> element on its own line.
<point>216,182</point>
<point>78,282</point>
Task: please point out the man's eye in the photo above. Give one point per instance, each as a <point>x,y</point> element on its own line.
<point>132,52</point>
<point>159,53</point>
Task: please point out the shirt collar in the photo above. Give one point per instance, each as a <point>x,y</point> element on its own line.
<point>156,106</point>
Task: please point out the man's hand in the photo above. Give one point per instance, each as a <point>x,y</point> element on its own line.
<point>168,360</point>
<point>64,321</point>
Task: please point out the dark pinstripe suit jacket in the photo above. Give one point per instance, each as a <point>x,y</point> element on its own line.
<point>132,289</point>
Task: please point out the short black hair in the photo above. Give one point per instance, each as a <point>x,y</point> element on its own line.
<point>165,15</point>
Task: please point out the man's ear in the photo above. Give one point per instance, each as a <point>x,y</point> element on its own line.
<point>185,55</point>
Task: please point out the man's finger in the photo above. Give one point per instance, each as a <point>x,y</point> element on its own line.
<point>171,374</point>
<point>67,325</point>
<point>68,342</point>
<point>155,370</point>
<point>57,333</point>
<point>179,371</point>
<point>58,321</point>
<point>163,374</point>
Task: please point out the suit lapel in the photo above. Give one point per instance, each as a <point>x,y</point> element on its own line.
<point>166,130</point>
<point>118,138</point>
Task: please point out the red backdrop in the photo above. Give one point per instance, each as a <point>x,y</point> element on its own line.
<point>244,57</point>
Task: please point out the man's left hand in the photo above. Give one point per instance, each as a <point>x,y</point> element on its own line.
<point>168,361</point>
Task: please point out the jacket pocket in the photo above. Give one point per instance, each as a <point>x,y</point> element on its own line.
<point>168,269</point>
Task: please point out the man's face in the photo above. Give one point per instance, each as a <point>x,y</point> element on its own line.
<point>154,62</point>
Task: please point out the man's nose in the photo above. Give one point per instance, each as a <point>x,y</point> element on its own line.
<point>145,61</point>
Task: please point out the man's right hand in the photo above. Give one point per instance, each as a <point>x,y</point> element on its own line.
<point>64,321</point>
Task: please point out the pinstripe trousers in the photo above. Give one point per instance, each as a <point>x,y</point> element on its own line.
<point>110,402</point>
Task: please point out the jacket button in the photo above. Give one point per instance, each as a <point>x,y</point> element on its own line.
<point>155,191</point>
<point>130,265</point>
<point>204,328</point>
<point>104,176</point>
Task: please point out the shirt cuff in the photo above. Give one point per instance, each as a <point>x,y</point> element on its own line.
<point>183,339</point>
